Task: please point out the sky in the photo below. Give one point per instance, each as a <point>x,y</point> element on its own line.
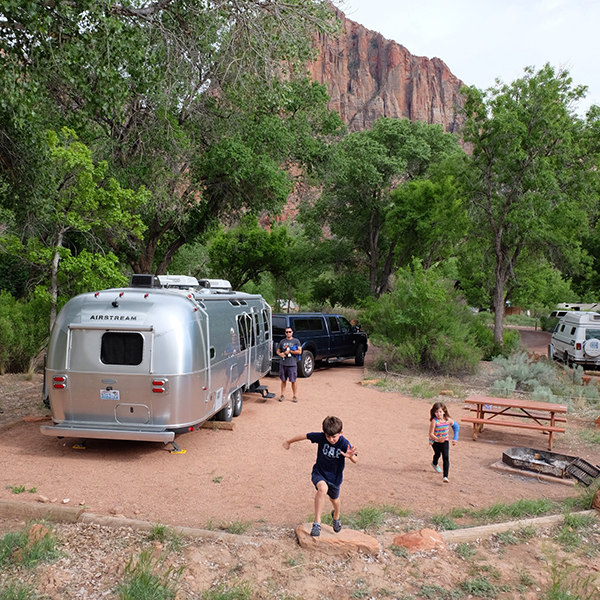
<point>482,40</point>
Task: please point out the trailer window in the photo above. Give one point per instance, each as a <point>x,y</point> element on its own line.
<point>266,323</point>
<point>122,348</point>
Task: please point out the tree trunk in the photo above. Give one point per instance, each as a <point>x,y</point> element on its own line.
<point>54,280</point>
<point>501,271</point>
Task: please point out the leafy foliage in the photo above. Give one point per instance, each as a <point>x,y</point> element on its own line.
<point>423,318</point>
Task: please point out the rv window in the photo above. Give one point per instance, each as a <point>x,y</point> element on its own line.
<point>562,328</point>
<point>256,328</point>
<point>122,348</point>
<point>592,333</point>
<point>308,324</point>
<point>265,315</point>
<point>212,352</point>
<point>573,329</point>
<point>333,324</point>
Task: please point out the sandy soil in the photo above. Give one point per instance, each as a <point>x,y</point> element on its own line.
<point>246,475</point>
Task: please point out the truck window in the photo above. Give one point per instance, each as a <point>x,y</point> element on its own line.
<point>314,324</point>
<point>334,326</point>
<point>279,326</point>
<point>346,328</point>
<point>122,348</point>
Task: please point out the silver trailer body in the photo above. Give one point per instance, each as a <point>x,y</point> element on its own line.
<point>154,359</point>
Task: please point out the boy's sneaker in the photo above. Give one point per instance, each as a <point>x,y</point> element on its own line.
<point>295,399</point>
<point>281,398</point>
<point>337,524</point>
<point>437,468</point>
<point>445,480</point>
<point>316,530</point>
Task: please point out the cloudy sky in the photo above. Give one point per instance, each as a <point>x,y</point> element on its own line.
<point>481,40</point>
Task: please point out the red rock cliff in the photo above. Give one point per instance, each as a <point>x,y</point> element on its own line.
<point>368,76</point>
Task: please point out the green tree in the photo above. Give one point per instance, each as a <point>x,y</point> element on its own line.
<point>359,203</point>
<point>80,200</point>
<point>184,98</point>
<point>242,254</point>
<point>530,178</point>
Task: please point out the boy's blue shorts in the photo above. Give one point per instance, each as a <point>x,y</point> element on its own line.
<point>333,491</point>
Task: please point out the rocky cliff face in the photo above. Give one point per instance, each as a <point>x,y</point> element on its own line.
<point>368,76</point>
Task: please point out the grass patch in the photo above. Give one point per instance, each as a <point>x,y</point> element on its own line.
<point>147,579</point>
<point>236,527</point>
<point>241,591</point>
<point>165,535</point>
<point>27,548</point>
<point>481,587</point>
<point>21,489</point>
<point>465,551</point>
<point>590,436</point>
<point>16,591</point>
<point>570,582</point>
<point>370,516</point>
<point>444,522</point>
<point>435,592</point>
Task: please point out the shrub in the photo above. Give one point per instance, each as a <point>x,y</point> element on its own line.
<point>484,338</point>
<point>425,321</point>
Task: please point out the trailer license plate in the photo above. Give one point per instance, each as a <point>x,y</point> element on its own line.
<point>109,395</point>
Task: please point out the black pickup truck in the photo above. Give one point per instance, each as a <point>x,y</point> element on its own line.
<point>328,338</point>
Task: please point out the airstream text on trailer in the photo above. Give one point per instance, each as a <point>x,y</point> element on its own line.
<point>155,359</point>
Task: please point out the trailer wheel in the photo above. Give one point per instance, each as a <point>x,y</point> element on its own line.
<point>307,364</point>
<point>225,414</point>
<point>237,399</point>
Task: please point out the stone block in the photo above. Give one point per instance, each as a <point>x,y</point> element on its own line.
<point>345,542</point>
<point>422,539</point>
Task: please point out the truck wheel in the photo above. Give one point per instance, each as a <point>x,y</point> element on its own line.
<point>225,414</point>
<point>567,360</point>
<point>237,399</point>
<point>307,364</point>
<point>359,359</point>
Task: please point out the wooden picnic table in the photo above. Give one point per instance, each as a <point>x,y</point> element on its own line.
<point>523,414</point>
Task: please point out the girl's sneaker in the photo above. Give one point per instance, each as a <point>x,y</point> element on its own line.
<point>445,480</point>
<point>316,530</point>
<point>337,524</point>
<point>437,468</point>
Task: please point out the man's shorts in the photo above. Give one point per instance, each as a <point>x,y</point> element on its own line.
<point>333,491</point>
<point>288,372</point>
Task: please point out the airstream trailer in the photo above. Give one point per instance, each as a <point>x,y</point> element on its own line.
<point>154,359</point>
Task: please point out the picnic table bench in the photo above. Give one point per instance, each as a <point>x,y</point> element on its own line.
<point>537,416</point>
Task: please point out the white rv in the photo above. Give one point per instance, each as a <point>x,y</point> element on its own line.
<point>576,339</point>
<point>155,359</point>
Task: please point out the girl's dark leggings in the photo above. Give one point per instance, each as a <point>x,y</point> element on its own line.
<point>442,449</point>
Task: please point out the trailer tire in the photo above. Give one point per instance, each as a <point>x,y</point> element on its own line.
<point>237,399</point>
<point>226,413</point>
<point>307,364</point>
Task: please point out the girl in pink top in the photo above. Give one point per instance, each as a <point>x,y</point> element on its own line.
<point>439,435</point>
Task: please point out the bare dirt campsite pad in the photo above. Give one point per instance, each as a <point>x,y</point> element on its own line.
<point>244,479</point>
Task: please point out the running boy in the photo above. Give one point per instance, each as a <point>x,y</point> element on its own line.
<point>328,471</point>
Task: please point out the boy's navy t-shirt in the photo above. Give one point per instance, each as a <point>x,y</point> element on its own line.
<point>330,461</point>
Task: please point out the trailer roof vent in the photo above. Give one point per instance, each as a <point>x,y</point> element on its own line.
<point>144,280</point>
<point>221,285</point>
<point>181,282</point>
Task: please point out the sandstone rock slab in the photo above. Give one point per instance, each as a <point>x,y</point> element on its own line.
<point>347,541</point>
<point>422,539</point>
